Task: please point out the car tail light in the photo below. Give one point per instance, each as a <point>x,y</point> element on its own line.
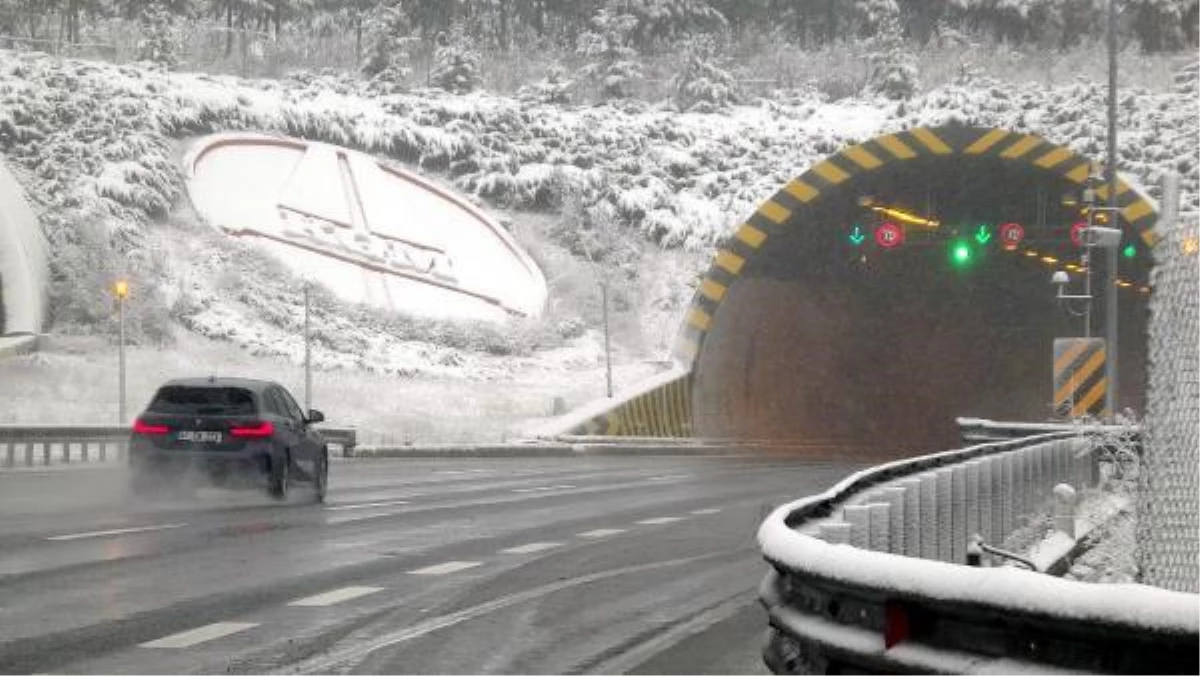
<point>142,427</point>
<point>255,431</point>
<point>896,628</point>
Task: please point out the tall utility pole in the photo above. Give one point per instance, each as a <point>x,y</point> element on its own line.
<point>121,290</point>
<point>307,355</point>
<point>1110,292</point>
<point>607,343</point>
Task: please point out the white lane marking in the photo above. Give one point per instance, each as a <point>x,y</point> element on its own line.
<point>451,472</point>
<point>668,477</point>
<point>531,548</point>
<point>336,596</point>
<point>540,489</point>
<point>601,533</point>
<point>367,505</point>
<point>208,632</point>
<point>660,520</point>
<point>710,510</point>
<point>116,531</point>
<point>445,568</point>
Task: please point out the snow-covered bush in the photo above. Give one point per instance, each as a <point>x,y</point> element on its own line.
<point>456,62</point>
<point>613,64</point>
<point>387,62</point>
<point>893,67</point>
<point>555,87</point>
<point>704,84</point>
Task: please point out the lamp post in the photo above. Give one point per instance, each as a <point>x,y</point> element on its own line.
<point>1110,292</point>
<point>121,291</point>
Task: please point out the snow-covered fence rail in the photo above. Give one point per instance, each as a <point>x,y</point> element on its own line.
<point>43,445</point>
<point>870,575</point>
<point>979,430</point>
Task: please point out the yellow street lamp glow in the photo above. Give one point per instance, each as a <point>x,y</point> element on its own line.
<point>121,288</point>
<point>1191,246</point>
<point>906,217</point>
<point>1031,253</point>
<point>1049,260</point>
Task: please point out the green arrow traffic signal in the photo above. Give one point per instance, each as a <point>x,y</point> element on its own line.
<point>856,236</point>
<point>983,235</point>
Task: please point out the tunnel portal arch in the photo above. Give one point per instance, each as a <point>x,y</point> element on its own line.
<point>765,245</point>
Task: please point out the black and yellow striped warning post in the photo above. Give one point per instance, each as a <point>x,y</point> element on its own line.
<point>1079,378</point>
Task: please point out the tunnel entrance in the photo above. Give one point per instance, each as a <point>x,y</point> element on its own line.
<point>900,297</point>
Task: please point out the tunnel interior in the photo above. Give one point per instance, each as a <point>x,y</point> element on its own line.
<point>829,337</point>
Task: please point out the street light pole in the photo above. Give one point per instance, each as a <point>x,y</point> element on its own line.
<point>307,355</point>
<point>1110,291</point>
<point>121,290</point>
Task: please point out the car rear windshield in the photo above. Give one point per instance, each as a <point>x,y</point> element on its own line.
<point>203,401</point>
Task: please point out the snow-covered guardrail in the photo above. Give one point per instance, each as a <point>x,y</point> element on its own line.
<point>979,430</point>
<point>43,445</point>
<point>870,576</point>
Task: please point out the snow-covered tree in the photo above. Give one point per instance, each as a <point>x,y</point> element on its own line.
<point>893,66</point>
<point>704,84</point>
<point>871,16</point>
<point>555,87</point>
<point>613,62</point>
<point>160,41</point>
<point>456,61</point>
<point>387,60</point>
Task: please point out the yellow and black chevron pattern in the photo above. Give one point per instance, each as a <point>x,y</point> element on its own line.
<point>787,208</point>
<point>665,411</point>
<point>1080,383</point>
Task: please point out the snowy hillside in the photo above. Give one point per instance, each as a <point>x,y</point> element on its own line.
<point>97,148</point>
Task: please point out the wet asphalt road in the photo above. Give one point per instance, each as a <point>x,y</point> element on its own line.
<point>516,565</point>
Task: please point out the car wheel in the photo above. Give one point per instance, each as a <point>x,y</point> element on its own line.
<point>280,477</point>
<point>321,480</point>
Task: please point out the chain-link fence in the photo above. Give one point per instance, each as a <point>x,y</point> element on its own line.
<point>1168,533</point>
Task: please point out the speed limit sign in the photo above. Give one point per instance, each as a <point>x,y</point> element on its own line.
<point>889,236</point>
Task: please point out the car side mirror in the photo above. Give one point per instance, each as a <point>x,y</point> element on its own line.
<point>315,416</point>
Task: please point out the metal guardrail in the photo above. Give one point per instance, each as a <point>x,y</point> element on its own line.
<point>44,445</point>
<point>876,607</point>
<point>979,430</point>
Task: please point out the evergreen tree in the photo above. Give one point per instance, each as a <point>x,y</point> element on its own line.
<point>160,41</point>
<point>456,62</point>
<point>387,59</point>
<point>704,85</point>
<point>555,87</point>
<point>893,66</point>
<point>614,66</point>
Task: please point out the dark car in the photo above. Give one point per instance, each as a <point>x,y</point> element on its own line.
<point>233,431</point>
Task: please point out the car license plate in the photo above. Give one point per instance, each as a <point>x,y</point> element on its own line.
<point>205,437</point>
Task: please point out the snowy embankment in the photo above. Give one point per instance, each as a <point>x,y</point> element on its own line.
<point>96,146</point>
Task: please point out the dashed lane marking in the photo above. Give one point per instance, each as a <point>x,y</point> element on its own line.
<point>531,548</point>
<point>659,520</point>
<point>710,510</point>
<point>668,477</point>
<point>200,635</point>
<point>367,505</point>
<point>445,568</point>
<point>540,489</point>
<point>115,531</point>
<point>336,596</point>
<point>600,533</point>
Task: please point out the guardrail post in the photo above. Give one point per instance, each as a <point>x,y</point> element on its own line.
<point>912,517</point>
<point>958,513</point>
<point>894,496</point>
<point>46,452</point>
<point>974,504</point>
<point>835,533</point>
<point>1064,510</point>
<point>985,498</point>
<point>103,451</point>
<point>1048,482</point>
<point>881,522</point>
<point>929,516</point>
<point>945,517</point>
<point>859,518</point>
<point>1008,495</point>
<point>9,452</point>
<point>28,454</point>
